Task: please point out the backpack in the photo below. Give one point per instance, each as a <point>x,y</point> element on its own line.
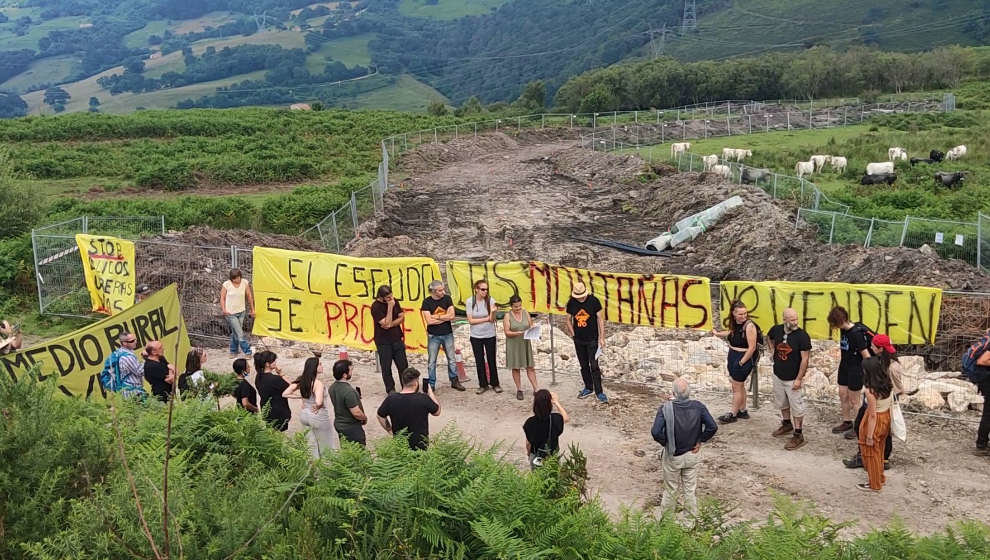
<point>860,327</point>
<point>975,373</point>
<point>110,376</point>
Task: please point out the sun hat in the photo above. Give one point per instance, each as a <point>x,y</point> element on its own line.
<point>579,290</point>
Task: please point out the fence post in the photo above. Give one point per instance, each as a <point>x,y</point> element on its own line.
<point>979,239</point>
<point>163,223</point>
<point>775,185</point>
<point>904,231</point>
<point>85,224</point>
<point>658,117</point>
<point>233,257</point>
<point>434,135</point>
<point>831,232</point>
<point>636,117</point>
<point>683,130</point>
<point>750,119</point>
<point>728,127</point>
<point>553,353</point>
<point>354,216</point>
<point>37,272</point>
<point>788,120</point>
<point>869,234</point>
<point>336,233</point>
<point>543,120</point>
<point>662,126</point>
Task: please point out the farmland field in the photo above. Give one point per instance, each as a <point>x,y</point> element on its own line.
<point>351,51</point>
<point>50,70</point>
<point>447,9</point>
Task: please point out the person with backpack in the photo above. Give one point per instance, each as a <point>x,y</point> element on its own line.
<point>976,368</point>
<point>121,371</point>
<point>854,347</point>
<point>744,338</point>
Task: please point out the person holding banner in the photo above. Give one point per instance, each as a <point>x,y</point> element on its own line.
<point>481,316</point>
<point>742,337</point>
<point>389,339</point>
<point>519,350</point>
<point>235,300</point>
<point>438,312</point>
<point>586,325</point>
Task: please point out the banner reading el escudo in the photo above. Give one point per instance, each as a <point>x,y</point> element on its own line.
<point>326,299</point>
<point>108,263</point>
<point>657,300</point>
<point>908,314</point>
<point>77,358</point>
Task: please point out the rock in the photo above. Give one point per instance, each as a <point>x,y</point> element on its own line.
<point>926,250</point>
<point>958,402</point>
<point>913,365</point>
<point>941,386</point>
<point>564,357</point>
<point>639,453</point>
<point>910,383</point>
<point>928,398</point>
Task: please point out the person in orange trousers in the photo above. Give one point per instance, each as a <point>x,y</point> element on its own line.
<point>876,422</point>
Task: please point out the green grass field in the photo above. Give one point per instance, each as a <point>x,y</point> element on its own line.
<point>406,94</point>
<point>53,69</point>
<point>11,42</point>
<point>139,39</point>
<point>447,9</point>
<point>349,50</point>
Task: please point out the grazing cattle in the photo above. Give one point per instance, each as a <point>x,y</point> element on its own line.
<point>752,175</point>
<point>936,155</point>
<point>955,153</point>
<point>879,168</point>
<point>915,161</point>
<point>839,164</point>
<point>722,170</point>
<point>743,154</point>
<point>679,148</point>
<point>897,153</point>
<point>728,153</point>
<point>819,162</point>
<point>710,161</point>
<point>803,168</point>
<point>950,178</point>
<point>876,179</point>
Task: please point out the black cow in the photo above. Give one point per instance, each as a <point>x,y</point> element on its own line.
<point>936,155</point>
<point>888,178</point>
<point>751,175</point>
<point>950,178</point>
<point>915,160</point>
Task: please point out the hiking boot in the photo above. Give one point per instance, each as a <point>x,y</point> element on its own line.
<point>497,389</point>
<point>456,385</point>
<point>850,434</point>
<point>797,440</point>
<point>886,465</point>
<point>983,451</point>
<point>854,463</point>
<point>841,428</point>
<point>783,430</point>
<point>481,390</point>
<point>743,415</point>
<point>519,395</point>
<point>585,393</point>
<point>728,418</point>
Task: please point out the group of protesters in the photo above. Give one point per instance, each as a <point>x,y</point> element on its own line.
<point>869,380</point>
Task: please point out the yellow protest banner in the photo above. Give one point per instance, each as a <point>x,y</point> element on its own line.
<point>77,358</point>
<point>108,263</point>
<point>657,300</point>
<point>326,298</point>
<point>908,314</point>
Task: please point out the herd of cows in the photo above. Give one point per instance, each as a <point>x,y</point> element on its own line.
<point>876,173</point>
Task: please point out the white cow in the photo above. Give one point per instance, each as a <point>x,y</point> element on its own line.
<point>722,170</point>
<point>728,153</point>
<point>896,153</point>
<point>710,161</point>
<point>819,161</point>
<point>803,168</point>
<point>956,153</point>
<point>878,168</point>
<point>679,148</point>
<point>743,154</point>
<point>839,164</point>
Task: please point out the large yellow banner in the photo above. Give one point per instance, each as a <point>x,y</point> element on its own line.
<point>108,263</point>
<point>658,300</point>
<point>77,358</point>
<point>326,298</point>
<point>908,314</point>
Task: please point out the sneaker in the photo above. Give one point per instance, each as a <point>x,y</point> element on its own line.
<point>481,390</point>
<point>233,355</point>
<point>728,418</point>
<point>850,434</point>
<point>865,487</point>
<point>602,398</point>
<point>886,465</point>
<point>497,389</point>
<point>519,395</point>
<point>456,385</point>
<point>841,428</point>
<point>854,463</point>
<point>585,393</point>
<point>797,440</point>
<point>982,451</point>
<point>783,430</point>
<point>743,415</point>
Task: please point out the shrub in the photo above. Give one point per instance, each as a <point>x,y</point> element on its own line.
<point>172,176</point>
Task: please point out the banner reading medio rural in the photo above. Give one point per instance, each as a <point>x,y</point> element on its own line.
<point>658,300</point>
<point>326,299</point>
<point>77,358</point>
<point>108,263</point>
<point>908,314</point>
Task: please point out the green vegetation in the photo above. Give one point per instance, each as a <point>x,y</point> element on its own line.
<point>351,51</point>
<point>50,70</point>
<point>447,9</point>
<point>237,489</point>
<point>138,39</point>
<point>406,94</point>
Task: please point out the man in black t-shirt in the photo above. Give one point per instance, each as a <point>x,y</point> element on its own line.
<point>158,371</point>
<point>586,324</point>
<point>438,312</point>
<point>854,346</point>
<point>410,410</point>
<point>270,385</point>
<point>244,395</point>
<point>389,339</point>
<point>790,347</point>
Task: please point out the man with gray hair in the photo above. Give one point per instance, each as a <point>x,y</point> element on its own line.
<point>681,426</point>
<point>438,312</point>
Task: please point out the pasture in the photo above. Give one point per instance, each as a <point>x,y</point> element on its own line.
<point>447,9</point>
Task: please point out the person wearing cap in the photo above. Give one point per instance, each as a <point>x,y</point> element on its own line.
<point>141,293</point>
<point>586,325</point>
<point>887,354</point>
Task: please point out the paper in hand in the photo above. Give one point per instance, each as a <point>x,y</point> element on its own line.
<point>598,353</point>
<point>533,333</point>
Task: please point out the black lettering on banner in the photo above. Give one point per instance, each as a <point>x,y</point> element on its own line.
<point>76,355</point>
<point>806,304</point>
<point>665,303</point>
<point>141,324</point>
<point>90,349</point>
<point>397,292</point>
<point>685,290</point>
<point>915,310</point>
<point>292,315</point>
<point>427,274</point>
<point>276,310</point>
<point>355,271</point>
<point>645,306</point>
<point>112,333</point>
<point>337,283</point>
<point>20,361</point>
<point>888,322</point>
<point>309,280</point>
<point>538,269</point>
<point>862,312</point>
<point>628,298</point>
<point>374,281</point>
<point>62,356</point>
<point>507,280</point>
<point>605,291</point>
<point>292,274</point>
<point>419,294</point>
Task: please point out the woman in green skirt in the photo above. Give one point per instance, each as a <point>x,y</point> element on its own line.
<point>518,350</point>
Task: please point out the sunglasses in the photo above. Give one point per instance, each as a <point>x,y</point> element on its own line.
<point>482,289</point>
<point>131,341</point>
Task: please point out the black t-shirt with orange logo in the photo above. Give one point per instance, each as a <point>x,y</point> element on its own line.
<point>787,351</point>
<point>438,307</point>
<point>585,315</point>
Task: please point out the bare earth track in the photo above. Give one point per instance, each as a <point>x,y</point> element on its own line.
<point>502,197</point>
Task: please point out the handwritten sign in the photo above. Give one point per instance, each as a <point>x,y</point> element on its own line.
<point>108,264</point>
